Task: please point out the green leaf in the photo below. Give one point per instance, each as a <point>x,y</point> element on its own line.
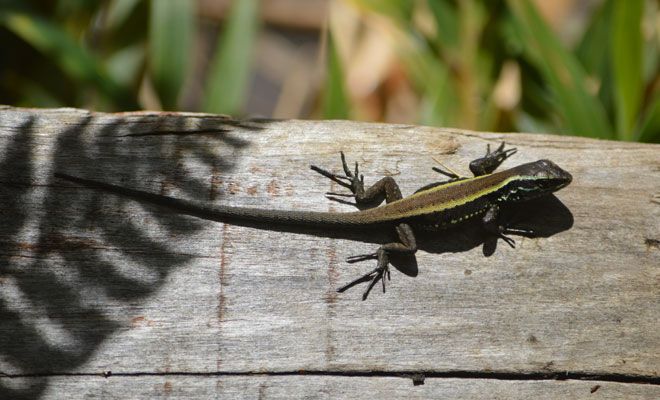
<point>228,77</point>
<point>171,28</point>
<point>594,52</point>
<point>594,48</point>
<point>627,64</point>
<point>432,79</point>
<point>125,65</point>
<point>439,106</point>
<point>581,110</point>
<point>119,11</point>
<point>74,59</point>
<point>399,11</point>
<point>447,22</point>
<point>650,129</point>
<point>335,104</point>
<point>36,96</point>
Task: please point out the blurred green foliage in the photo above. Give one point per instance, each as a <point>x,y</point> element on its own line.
<point>607,85</point>
<point>102,54</point>
<point>335,102</point>
<point>232,59</point>
<point>171,27</point>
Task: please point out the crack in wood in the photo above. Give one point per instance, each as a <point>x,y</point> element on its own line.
<point>417,377</point>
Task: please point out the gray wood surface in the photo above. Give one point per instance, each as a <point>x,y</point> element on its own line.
<point>164,304</point>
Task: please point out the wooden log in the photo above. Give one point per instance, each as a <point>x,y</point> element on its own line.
<point>94,283</point>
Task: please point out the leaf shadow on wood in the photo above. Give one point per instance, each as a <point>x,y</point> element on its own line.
<point>54,276</point>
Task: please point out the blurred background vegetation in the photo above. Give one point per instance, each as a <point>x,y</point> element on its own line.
<point>578,67</point>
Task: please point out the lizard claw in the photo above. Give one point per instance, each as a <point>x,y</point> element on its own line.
<point>352,180</point>
<point>333,177</point>
<point>379,273</point>
<point>503,231</point>
<point>508,240</point>
<point>361,257</point>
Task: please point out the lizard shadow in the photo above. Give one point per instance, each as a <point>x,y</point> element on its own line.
<point>541,217</point>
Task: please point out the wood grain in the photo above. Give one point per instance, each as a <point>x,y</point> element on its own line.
<point>91,282</point>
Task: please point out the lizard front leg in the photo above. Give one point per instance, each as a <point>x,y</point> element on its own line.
<point>481,166</point>
<point>492,226</point>
<point>488,163</point>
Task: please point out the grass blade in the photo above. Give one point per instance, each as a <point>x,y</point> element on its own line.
<point>582,112</point>
<point>335,103</point>
<point>230,68</point>
<point>74,59</point>
<point>650,129</point>
<point>627,64</point>
<point>171,28</point>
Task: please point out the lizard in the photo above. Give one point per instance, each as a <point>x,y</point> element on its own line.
<point>436,206</point>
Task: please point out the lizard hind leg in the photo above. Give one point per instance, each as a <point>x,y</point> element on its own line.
<point>407,245</point>
<point>386,188</point>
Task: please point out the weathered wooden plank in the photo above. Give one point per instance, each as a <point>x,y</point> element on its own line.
<point>91,282</point>
<point>333,387</point>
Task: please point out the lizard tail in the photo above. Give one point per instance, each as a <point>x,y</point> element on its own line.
<point>228,214</point>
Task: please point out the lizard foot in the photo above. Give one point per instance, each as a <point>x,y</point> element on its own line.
<point>504,230</point>
<point>352,180</point>
<point>381,271</point>
<point>488,163</point>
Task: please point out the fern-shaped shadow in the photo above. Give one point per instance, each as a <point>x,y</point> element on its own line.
<point>69,256</point>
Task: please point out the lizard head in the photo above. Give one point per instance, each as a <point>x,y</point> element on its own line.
<point>536,179</point>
